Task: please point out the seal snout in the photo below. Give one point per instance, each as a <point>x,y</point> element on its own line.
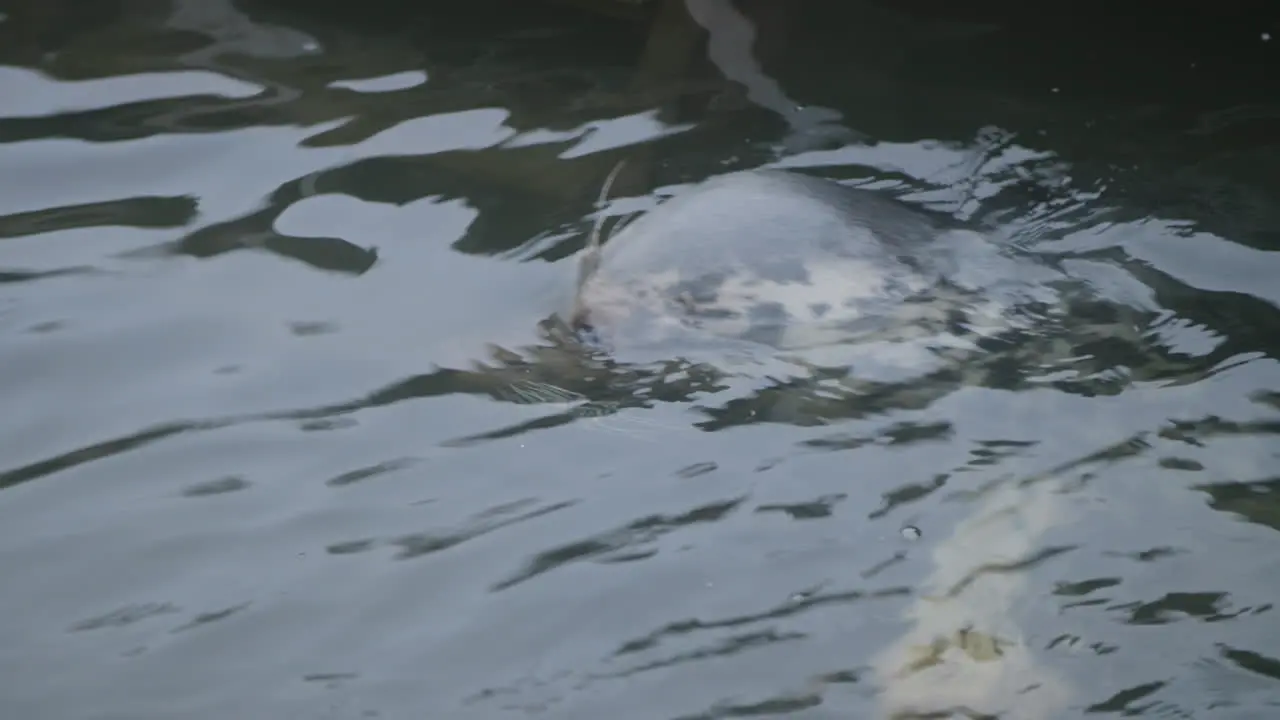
<point>582,328</point>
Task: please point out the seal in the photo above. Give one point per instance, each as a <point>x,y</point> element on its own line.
<point>832,301</point>
<point>771,258</point>
<point>787,262</point>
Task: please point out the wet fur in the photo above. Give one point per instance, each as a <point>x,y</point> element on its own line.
<point>737,258</point>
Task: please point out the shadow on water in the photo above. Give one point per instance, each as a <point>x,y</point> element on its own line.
<point>295,428</point>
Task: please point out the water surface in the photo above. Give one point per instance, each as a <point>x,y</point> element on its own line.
<point>251,254</point>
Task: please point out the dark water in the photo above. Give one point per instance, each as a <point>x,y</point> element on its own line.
<point>251,253</point>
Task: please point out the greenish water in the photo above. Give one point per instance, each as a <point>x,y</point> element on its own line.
<point>251,254</point>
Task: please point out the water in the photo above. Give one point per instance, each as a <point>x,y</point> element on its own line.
<point>252,253</point>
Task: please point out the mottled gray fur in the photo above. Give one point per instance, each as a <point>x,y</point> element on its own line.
<point>766,256</point>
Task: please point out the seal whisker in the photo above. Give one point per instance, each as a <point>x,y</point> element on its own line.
<point>590,261</point>
<point>594,239</point>
<point>616,425</point>
<point>530,392</point>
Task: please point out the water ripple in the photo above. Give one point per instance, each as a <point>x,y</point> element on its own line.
<point>292,428</point>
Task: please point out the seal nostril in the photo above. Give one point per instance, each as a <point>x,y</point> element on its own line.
<point>586,333</point>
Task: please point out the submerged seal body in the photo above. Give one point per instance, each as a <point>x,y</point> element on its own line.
<point>772,257</point>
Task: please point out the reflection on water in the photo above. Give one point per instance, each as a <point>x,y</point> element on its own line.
<point>293,430</point>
